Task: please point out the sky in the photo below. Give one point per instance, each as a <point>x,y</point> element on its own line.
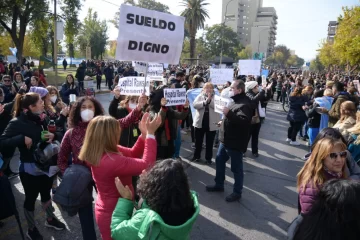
<point>302,24</point>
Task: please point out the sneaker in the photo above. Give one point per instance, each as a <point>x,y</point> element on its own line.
<point>55,223</point>
<point>214,188</point>
<point>256,155</point>
<point>288,140</point>
<point>193,146</point>
<point>183,132</point>
<point>233,197</point>
<point>195,160</point>
<point>178,158</point>
<point>294,143</point>
<point>208,162</point>
<point>34,234</point>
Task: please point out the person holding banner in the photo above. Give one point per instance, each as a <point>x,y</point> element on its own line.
<point>257,98</point>
<point>233,136</point>
<point>205,122</point>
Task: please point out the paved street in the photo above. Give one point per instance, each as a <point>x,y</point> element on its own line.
<point>268,205</point>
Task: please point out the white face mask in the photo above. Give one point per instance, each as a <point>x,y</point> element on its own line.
<point>53,98</point>
<point>132,105</point>
<point>231,93</point>
<point>87,115</point>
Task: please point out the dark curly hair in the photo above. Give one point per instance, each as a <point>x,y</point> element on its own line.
<point>166,190</point>
<point>75,113</point>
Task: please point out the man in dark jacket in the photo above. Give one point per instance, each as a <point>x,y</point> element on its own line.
<point>233,136</point>
<point>80,75</point>
<point>109,75</point>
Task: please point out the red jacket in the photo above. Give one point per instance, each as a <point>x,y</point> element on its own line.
<point>124,166</point>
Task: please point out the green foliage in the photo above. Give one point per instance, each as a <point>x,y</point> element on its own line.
<point>327,55</point>
<point>70,9</point>
<point>195,13</point>
<point>282,58</point>
<point>295,61</point>
<point>41,34</point>
<point>217,35</point>
<point>93,33</point>
<point>316,65</point>
<point>148,4</point>
<point>112,48</point>
<point>245,53</point>
<point>281,55</point>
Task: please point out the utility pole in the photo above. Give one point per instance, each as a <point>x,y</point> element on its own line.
<point>55,46</point>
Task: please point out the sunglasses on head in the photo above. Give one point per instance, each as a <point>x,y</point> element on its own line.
<point>341,154</point>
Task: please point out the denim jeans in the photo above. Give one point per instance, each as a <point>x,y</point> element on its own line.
<point>312,133</point>
<point>222,156</point>
<point>86,216</point>
<point>177,143</point>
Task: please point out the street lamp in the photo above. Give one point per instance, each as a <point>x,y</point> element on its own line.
<point>222,32</point>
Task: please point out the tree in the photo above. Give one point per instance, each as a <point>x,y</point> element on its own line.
<point>215,35</point>
<point>112,48</point>
<point>41,34</point>
<point>347,38</point>
<point>316,65</point>
<point>195,15</point>
<point>70,9</point>
<point>148,4</point>
<point>282,54</point>
<point>295,61</point>
<point>245,53</point>
<point>327,55</point>
<point>93,33</point>
<point>15,17</point>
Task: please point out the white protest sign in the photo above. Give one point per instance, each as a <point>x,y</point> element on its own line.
<point>148,36</point>
<point>154,72</point>
<point>263,80</point>
<point>221,76</point>
<point>175,96</point>
<point>221,102</point>
<point>11,59</point>
<point>134,86</point>
<point>249,67</point>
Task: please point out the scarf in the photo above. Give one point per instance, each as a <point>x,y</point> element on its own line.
<point>334,174</point>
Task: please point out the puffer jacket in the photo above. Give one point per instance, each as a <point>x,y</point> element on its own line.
<point>147,224</point>
<point>72,196</point>
<point>334,113</point>
<point>309,194</point>
<point>296,113</point>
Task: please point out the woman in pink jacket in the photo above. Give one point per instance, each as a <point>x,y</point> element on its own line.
<point>109,160</point>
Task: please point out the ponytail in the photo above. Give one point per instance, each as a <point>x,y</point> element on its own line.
<point>24,101</point>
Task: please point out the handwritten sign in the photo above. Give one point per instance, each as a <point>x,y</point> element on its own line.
<point>134,86</point>
<point>175,96</point>
<point>221,76</point>
<point>249,67</point>
<point>221,102</point>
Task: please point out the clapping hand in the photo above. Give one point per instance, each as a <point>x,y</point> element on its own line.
<point>142,101</point>
<point>142,124</point>
<point>154,124</point>
<point>116,92</point>
<point>163,102</point>
<point>125,192</point>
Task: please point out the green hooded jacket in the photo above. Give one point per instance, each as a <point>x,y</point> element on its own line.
<point>147,224</point>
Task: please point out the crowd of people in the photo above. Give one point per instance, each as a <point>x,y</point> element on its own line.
<point>133,155</point>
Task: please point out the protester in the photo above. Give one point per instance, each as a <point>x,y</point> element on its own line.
<point>257,97</point>
<point>65,63</point>
<point>108,161</point>
<point>339,97</point>
<point>296,115</point>
<point>205,122</point>
<point>354,139</point>
<point>347,118</point>
<point>324,102</point>
<point>25,132</point>
<point>18,81</point>
<point>69,87</point>
<point>334,215</point>
<point>166,203</point>
<point>80,75</point>
<point>9,90</point>
<point>233,136</point>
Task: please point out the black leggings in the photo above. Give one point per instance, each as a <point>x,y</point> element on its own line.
<point>278,96</point>
<point>254,135</point>
<point>293,130</point>
<point>33,185</point>
<point>98,83</point>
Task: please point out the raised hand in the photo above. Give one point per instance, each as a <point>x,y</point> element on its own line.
<point>142,101</point>
<point>142,124</point>
<point>163,102</point>
<point>154,124</point>
<point>125,192</point>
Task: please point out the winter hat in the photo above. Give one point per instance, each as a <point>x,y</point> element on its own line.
<point>39,90</point>
<point>250,85</point>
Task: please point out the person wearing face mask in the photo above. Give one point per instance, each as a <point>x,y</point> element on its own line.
<point>205,122</point>
<point>233,136</point>
<point>85,109</point>
<point>25,132</point>
<point>69,87</point>
<point>257,97</point>
<point>55,99</point>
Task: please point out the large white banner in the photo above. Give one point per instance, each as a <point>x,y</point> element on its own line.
<point>249,67</point>
<point>134,86</point>
<point>220,103</point>
<point>221,76</point>
<point>11,59</point>
<point>175,96</point>
<point>149,36</point>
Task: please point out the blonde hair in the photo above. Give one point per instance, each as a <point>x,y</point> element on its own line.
<point>312,172</point>
<point>102,136</point>
<point>328,93</point>
<point>347,109</point>
<point>208,84</point>
<point>356,129</point>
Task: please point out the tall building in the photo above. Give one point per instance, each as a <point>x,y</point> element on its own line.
<point>254,24</point>
<point>332,27</point>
